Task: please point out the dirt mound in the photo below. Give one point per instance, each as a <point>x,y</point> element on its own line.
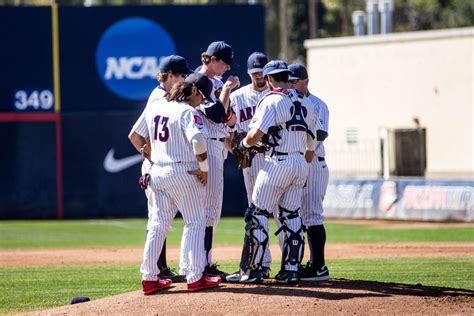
<point>332,297</point>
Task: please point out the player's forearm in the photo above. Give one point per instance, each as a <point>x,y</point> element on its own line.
<point>200,150</point>
<point>253,137</point>
<point>137,140</point>
<point>224,97</point>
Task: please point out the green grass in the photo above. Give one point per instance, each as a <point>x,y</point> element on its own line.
<point>26,289</point>
<point>131,232</point>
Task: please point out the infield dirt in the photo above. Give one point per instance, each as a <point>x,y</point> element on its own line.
<point>336,296</point>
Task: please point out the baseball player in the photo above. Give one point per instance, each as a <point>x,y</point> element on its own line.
<point>217,59</point>
<point>178,175</point>
<point>315,190</point>
<point>286,121</point>
<point>243,103</point>
<point>173,69</point>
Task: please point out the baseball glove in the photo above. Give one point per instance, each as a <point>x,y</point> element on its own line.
<point>241,154</point>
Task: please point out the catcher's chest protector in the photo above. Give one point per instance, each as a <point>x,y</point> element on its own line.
<point>298,112</point>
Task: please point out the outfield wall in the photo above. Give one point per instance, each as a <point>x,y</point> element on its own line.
<point>64,120</point>
<point>401,199</point>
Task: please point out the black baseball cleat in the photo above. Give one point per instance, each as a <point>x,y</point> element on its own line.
<point>311,273</point>
<point>265,272</point>
<point>168,273</point>
<point>287,277</point>
<point>213,271</point>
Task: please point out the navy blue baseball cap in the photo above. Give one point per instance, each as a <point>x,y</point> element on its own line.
<point>256,62</point>
<point>174,63</point>
<point>203,83</point>
<point>221,50</point>
<point>298,71</point>
<point>275,67</point>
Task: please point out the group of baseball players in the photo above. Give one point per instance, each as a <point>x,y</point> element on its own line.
<point>185,134</point>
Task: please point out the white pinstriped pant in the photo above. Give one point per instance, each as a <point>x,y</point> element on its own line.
<point>146,165</point>
<point>175,189</point>
<point>216,154</point>
<point>314,192</point>
<point>280,183</point>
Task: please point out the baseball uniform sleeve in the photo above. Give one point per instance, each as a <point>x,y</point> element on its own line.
<point>192,124</point>
<point>324,117</point>
<point>140,126</point>
<point>312,118</point>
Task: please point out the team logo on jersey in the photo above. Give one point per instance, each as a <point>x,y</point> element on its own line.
<point>247,113</point>
<point>198,121</point>
<point>128,56</point>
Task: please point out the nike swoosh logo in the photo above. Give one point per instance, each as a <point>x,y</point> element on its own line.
<point>113,165</point>
<point>318,273</point>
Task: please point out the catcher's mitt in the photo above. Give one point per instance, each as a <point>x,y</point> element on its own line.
<point>241,154</point>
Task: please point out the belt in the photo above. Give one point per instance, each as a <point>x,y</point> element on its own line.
<point>320,158</point>
<point>279,153</point>
<point>219,139</point>
<point>297,129</point>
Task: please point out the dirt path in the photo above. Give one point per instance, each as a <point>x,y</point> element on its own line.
<point>334,297</point>
<point>45,257</point>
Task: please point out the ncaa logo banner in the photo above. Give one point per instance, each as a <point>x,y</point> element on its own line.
<point>128,56</point>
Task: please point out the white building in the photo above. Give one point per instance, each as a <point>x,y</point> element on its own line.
<point>385,81</point>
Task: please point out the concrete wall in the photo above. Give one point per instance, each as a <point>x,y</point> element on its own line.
<point>383,81</point>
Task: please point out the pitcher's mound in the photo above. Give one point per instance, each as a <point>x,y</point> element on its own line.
<point>335,296</point>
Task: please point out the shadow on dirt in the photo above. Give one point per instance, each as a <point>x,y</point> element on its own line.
<point>346,289</point>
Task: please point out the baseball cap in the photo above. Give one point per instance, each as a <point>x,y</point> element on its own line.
<point>175,64</point>
<point>275,67</point>
<point>203,83</point>
<point>221,50</point>
<point>298,71</point>
<point>256,62</point>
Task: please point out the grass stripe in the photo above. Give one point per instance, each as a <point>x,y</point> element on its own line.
<point>131,232</point>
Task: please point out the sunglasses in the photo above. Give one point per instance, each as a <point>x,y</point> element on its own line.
<point>293,81</point>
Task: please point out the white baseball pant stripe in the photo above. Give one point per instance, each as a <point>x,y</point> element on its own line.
<point>314,192</point>
<point>280,183</point>
<point>214,191</point>
<point>175,189</point>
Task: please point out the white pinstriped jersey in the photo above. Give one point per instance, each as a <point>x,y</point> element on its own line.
<point>244,102</point>
<point>275,109</point>
<point>170,126</point>
<point>215,130</point>
<point>157,93</point>
<point>323,115</point>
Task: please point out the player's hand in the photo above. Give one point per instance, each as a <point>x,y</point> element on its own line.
<point>232,82</point>
<point>201,175</point>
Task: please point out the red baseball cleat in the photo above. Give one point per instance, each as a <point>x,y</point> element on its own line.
<point>150,287</point>
<point>204,283</point>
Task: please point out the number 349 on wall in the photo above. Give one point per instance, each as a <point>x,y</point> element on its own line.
<point>33,100</point>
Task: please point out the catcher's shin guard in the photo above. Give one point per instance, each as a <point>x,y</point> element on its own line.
<point>293,245</point>
<point>256,238</point>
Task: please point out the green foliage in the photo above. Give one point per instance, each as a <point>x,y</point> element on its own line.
<point>230,231</point>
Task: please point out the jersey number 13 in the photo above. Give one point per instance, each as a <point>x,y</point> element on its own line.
<point>164,133</point>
